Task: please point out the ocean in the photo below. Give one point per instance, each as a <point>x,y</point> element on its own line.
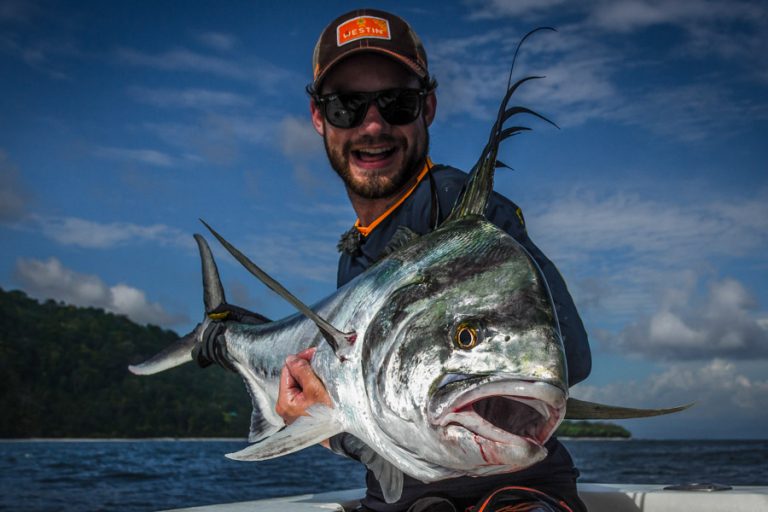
<point>149,475</point>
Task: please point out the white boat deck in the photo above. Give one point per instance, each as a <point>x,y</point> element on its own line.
<point>598,498</point>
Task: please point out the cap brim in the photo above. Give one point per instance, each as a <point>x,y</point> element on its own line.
<point>412,66</point>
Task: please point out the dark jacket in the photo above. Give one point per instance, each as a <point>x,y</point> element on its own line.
<point>425,208</point>
<point>416,213</point>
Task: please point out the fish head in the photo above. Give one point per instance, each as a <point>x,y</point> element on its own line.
<point>464,364</point>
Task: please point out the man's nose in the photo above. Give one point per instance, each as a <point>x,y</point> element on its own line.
<point>373,123</point>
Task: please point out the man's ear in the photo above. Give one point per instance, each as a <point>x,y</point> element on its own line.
<point>317,118</point>
<point>430,108</point>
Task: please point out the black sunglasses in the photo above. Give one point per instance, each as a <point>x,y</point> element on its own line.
<point>348,109</point>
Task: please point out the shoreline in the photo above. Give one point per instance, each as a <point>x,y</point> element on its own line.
<point>245,439</point>
<point>117,439</point>
<point>598,438</point>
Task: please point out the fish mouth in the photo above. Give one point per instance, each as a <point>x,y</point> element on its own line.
<point>509,411</point>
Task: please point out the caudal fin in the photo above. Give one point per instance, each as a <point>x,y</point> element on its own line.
<point>180,352</point>
<point>339,341</point>
<point>173,355</point>
<point>213,291</point>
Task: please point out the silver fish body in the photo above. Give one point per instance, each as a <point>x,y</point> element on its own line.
<point>443,359</point>
<point>406,387</point>
<point>454,365</point>
<point>438,398</point>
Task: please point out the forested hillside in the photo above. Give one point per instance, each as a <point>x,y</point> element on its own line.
<point>65,374</point>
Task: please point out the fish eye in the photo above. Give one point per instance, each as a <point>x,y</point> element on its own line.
<point>465,337</point>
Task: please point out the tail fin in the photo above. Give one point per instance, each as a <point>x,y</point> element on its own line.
<point>339,341</point>
<point>213,291</point>
<point>181,352</point>
<point>173,355</point>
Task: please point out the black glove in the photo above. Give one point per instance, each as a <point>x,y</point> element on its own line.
<point>213,349</point>
<point>232,313</point>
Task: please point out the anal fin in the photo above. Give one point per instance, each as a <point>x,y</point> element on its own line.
<point>302,433</point>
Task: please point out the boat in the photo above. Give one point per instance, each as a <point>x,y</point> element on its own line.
<point>701,497</point>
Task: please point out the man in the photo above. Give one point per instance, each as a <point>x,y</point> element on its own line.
<point>372,101</point>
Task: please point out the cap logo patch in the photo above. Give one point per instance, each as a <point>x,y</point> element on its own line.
<point>362,27</point>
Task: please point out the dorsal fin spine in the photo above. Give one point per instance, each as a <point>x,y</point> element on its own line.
<point>479,185</point>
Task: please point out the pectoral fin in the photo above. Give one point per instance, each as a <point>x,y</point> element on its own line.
<point>300,434</point>
<point>580,410</point>
<point>402,237</point>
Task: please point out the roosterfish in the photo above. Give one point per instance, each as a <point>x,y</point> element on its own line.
<point>443,359</point>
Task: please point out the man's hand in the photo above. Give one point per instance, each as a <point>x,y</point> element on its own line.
<point>300,387</point>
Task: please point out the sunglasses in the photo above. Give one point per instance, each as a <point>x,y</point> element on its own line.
<point>348,109</point>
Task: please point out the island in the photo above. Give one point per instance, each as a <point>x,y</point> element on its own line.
<point>592,429</point>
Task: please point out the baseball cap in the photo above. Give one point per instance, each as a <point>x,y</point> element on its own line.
<point>368,30</point>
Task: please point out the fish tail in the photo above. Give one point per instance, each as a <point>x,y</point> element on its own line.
<point>202,343</point>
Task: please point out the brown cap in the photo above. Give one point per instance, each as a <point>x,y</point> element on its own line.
<point>369,30</point>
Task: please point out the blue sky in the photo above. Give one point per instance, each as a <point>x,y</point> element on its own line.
<point>122,123</point>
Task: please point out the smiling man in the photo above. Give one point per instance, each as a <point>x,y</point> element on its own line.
<point>372,101</point>
<point>377,152</point>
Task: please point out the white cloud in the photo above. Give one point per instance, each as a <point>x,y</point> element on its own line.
<point>52,280</point>
<point>95,235</point>
<point>339,213</point>
<point>217,40</point>
<point>298,250</point>
<point>687,112</point>
<point>201,99</point>
<point>718,388</point>
<point>629,15</point>
<point>577,74</point>
<point>217,138</point>
<point>470,80</point>
<point>301,250</point>
<point>583,222</point>
<point>259,71</point>
<point>39,55</point>
<point>13,195</point>
<point>143,156</point>
<point>493,9</point>
<point>624,15</point>
<point>298,138</point>
<point>302,146</point>
<point>185,60</point>
<point>589,79</point>
<point>621,253</point>
<point>726,324</point>
<point>18,10</point>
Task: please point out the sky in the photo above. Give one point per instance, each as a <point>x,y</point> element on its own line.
<point>123,123</point>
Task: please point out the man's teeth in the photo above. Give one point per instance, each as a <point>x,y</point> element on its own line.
<point>373,152</point>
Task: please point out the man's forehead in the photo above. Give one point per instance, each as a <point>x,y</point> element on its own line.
<point>369,69</point>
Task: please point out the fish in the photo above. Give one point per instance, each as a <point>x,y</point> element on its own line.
<point>443,359</point>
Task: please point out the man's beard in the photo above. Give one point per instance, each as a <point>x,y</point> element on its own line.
<point>378,187</point>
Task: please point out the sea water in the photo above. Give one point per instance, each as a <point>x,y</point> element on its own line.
<point>143,476</point>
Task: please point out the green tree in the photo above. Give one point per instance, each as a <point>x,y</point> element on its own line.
<point>65,374</point>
